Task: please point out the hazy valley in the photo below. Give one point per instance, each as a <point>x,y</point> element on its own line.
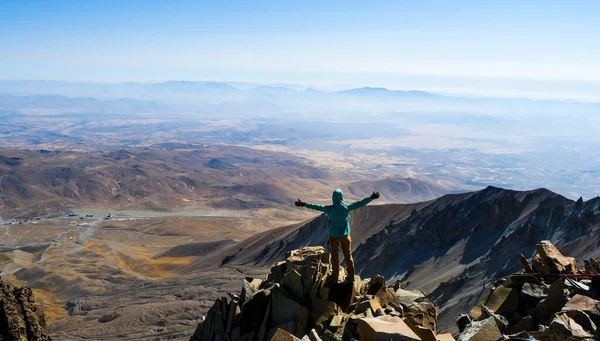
<point>176,191</point>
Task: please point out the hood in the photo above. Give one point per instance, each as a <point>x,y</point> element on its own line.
<point>338,196</point>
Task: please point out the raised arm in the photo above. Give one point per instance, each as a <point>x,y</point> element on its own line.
<point>361,203</point>
<point>316,207</point>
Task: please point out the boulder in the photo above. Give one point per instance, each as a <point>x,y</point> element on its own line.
<point>292,282</point>
<point>277,271</point>
<point>367,304</point>
<point>403,298</point>
<point>337,323</point>
<point>253,312</point>
<point>525,324</point>
<point>500,320</point>
<point>312,264</point>
<point>422,312</point>
<point>503,300</point>
<point>375,284</point>
<point>532,294</point>
<point>322,311</point>
<point>554,302</point>
<point>385,328</point>
<point>566,326</point>
<point>586,304</point>
<point>484,330</point>
<point>548,260</point>
<point>283,310</point>
<point>582,319</point>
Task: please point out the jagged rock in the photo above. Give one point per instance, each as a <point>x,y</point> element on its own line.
<point>277,271</point>
<point>503,300</point>
<point>500,320</point>
<point>422,312</point>
<point>322,311</point>
<point>282,335</point>
<point>385,328</point>
<point>532,294</point>
<point>367,304</point>
<point>525,264</point>
<point>425,334</point>
<point>525,324</point>
<point>403,298</point>
<point>20,317</point>
<point>253,312</point>
<point>554,302</point>
<point>564,325</point>
<point>586,304</point>
<point>351,328</point>
<point>284,310</point>
<point>484,330</point>
<point>297,295</point>
<point>548,260</point>
<point>462,321</point>
<point>292,282</point>
<point>582,319</point>
<point>337,322</point>
<point>375,284</point>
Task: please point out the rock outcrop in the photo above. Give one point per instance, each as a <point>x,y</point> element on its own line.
<point>556,302</point>
<point>298,300</point>
<point>20,317</point>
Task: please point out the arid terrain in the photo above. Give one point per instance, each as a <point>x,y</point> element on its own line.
<point>204,179</point>
<point>130,243</point>
<point>144,278</point>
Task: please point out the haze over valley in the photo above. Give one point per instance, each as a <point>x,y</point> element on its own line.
<point>459,142</point>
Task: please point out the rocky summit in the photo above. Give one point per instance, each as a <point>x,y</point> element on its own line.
<point>20,317</point>
<point>299,300</point>
<point>549,300</point>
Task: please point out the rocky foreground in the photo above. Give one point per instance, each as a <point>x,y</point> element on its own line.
<point>549,300</point>
<point>20,318</point>
<point>298,299</point>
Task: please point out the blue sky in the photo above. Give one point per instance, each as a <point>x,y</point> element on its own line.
<point>530,47</point>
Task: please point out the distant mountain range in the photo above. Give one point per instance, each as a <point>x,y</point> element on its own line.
<point>184,87</point>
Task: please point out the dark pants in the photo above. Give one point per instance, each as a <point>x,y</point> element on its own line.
<point>346,243</point>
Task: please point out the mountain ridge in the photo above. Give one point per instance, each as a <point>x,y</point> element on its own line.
<point>450,247</point>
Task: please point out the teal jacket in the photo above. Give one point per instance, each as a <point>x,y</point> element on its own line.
<point>339,213</point>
